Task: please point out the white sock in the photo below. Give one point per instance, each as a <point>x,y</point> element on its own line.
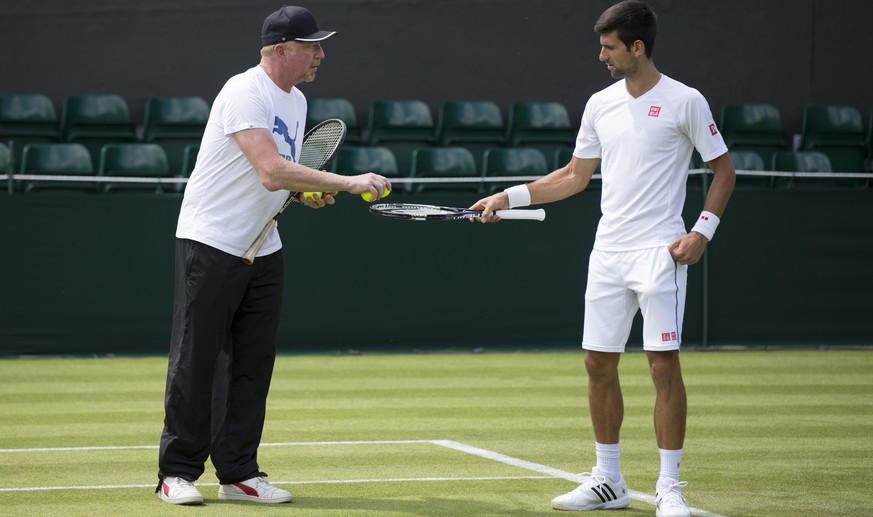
<point>670,461</point>
<point>609,460</point>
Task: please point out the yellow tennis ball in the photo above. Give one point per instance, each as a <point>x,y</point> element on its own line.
<point>310,195</point>
<point>368,197</point>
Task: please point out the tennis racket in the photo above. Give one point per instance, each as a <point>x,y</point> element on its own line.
<point>319,147</point>
<point>417,212</point>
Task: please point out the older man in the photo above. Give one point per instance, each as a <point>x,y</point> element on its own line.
<point>226,313</point>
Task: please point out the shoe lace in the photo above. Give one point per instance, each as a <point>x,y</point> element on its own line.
<point>263,484</point>
<point>588,479</point>
<point>671,493</point>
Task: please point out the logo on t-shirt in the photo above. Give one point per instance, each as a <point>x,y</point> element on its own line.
<point>713,130</point>
<point>280,128</point>
<point>654,111</point>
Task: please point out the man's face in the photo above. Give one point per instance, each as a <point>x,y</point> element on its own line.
<point>619,60</point>
<point>303,59</point>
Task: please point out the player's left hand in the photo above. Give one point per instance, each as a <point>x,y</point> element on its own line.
<point>688,249</point>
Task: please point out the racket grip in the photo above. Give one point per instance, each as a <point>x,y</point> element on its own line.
<point>532,215</point>
<point>249,256</point>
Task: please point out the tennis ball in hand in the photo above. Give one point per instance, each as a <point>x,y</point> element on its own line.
<point>310,195</point>
<point>368,197</point>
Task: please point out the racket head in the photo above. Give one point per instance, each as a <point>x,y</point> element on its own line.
<point>321,143</point>
<point>421,212</point>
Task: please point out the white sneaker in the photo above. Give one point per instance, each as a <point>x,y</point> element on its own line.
<point>175,490</point>
<point>256,489</point>
<point>596,492</point>
<point>669,500</point>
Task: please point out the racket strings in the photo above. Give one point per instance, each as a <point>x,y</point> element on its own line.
<point>422,210</point>
<point>320,146</point>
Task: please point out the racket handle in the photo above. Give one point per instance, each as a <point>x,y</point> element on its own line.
<point>532,215</point>
<point>249,256</point>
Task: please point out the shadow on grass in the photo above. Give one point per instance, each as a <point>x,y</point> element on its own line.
<point>424,507</point>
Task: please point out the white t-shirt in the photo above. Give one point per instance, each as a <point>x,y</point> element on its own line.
<point>645,147</point>
<point>225,204</point>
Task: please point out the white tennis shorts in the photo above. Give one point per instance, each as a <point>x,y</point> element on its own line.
<point>620,284</point>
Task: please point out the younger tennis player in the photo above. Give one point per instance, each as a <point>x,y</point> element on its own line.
<point>642,131</point>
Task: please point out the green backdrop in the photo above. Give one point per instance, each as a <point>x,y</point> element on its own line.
<point>89,274</point>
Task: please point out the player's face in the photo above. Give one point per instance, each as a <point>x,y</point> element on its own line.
<point>619,60</point>
<point>304,59</point>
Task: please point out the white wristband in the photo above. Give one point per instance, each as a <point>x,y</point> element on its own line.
<point>519,195</point>
<point>706,224</point>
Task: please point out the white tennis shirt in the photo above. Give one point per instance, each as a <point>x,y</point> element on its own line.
<point>645,146</point>
<point>225,204</point>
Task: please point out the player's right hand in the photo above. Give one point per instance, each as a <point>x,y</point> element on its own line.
<point>375,184</point>
<point>489,205</point>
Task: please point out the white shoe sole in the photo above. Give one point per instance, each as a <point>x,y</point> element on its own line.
<point>253,499</point>
<point>190,500</point>
<point>610,505</point>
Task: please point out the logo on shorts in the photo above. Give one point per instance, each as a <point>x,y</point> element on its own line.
<point>713,130</point>
<point>654,111</point>
<point>666,337</point>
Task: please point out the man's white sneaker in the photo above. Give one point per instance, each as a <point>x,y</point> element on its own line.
<point>175,490</point>
<point>256,489</point>
<point>596,492</point>
<point>669,500</point>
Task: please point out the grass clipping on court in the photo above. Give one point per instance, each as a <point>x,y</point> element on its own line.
<point>356,435</point>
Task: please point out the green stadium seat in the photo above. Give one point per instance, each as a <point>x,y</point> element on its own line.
<point>96,120</point>
<point>870,142</point>
<point>810,161</point>
<point>562,157</point>
<point>838,132</point>
<point>189,159</point>
<point>754,127</point>
<point>444,162</point>
<point>747,160</point>
<point>174,123</point>
<point>544,125</point>
<point>26,119</point>
<point>135,160</point>
<point>402,126</point>
<point>750,161</point>
<point>800,161</point>
<point>57,159</point>
<point>5,159</point>
<point>476,125</point>
<point>512,161</point>
<point>320,109</point>
<point>361,159</point>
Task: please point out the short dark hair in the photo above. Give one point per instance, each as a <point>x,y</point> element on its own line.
<point>633,20</point>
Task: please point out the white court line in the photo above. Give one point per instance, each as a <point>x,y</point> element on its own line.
<point>278,444</point>
<point>549,472</point>
<point>544,469</point>
<point>313,482</point>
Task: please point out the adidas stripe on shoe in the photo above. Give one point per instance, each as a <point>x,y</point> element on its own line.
<point>595,492</point>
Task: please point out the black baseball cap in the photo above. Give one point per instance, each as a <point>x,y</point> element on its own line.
<point>291,23</point>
